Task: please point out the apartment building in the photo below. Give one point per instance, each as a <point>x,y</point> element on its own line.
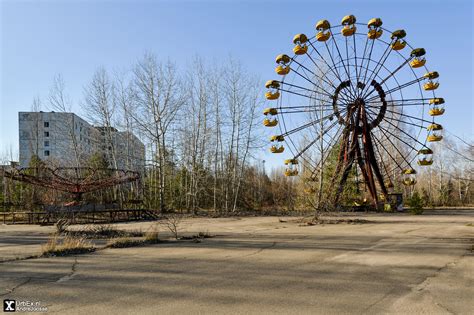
<point>65,139</point>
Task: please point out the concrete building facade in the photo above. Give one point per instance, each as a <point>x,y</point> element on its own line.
<point>65,139</point>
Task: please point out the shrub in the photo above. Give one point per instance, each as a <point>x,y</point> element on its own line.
<point>172,222</point>
<point>416,204</point>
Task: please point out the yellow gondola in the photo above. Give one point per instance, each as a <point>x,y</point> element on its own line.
<point>430,86</point>
<point>283,67</point>
<point>436,101</point>
<point>409,177</point>
<point>322,37</point>
<point>375,23</point>
<point>272,96</point>
<point>300,49</point>
<point>282,70</point>
<point>436,111</point>
<point>436,134</point>
<point>272,93</point>
<point>436,106</point>
<point>374,34</point>
<point>289,172</point>
<point>398,34</point>
<point>300,44</point>
<point>348,28</point>
<point>417,62</point>
<point>348,20</point>
<point>431,75</point>
<point>270,122</point>
<point>291,162</point>
<point>277,149</point>
<point>309,190</point>
<point>425,157</point>
<point>278,138</point>
<point>323,34</point>
<point>270,111</point>
<point>323,25</point>
<point>272,84</point>
<point>399,42</point>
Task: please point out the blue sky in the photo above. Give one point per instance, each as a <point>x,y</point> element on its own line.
<point>40,39</point>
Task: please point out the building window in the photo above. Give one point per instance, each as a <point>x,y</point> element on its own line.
<point>46,134</point>
<point>46,153</point>
<point>46,143</point>
<point>46,124</point>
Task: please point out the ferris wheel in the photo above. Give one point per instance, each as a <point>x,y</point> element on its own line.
<point>356,97</point>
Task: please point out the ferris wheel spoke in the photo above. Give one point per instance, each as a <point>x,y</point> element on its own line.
<point>334,63</point>
<point>311,123</point>
<point>315,140</point>
<point>324,60</point>
<point>304,106</point>
<point>405,122</point>
<point>404,141</point>
<point>403,105</point>
<point>387,151</point>
<point>299,74</point>
<point>396,70</point>
<point>355,59</point>
<point>404,85</point>
<point>404,100</point>
<point>381,157</point>
<point>394,146</point>
<point>400,121</point>
<point>327,151</point>
<point>376,69</point>
<point>393,73</point>
<point>304,111</point>
<point>340,56</point>
<point>403,131</point>
<point>354,89</point>
<point>303,95</point>
<point>320,70</point>
<point>368,62</point>
<point>409,116</point>
<point>309,90</point>
<point>313,164</point>
<point>362,61</point>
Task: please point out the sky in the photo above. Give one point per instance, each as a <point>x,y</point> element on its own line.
<point>40,39</point>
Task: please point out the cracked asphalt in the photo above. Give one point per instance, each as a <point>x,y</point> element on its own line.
<point>398,264</point>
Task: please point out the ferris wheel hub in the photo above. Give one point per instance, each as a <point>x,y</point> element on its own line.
<point>357,100</point>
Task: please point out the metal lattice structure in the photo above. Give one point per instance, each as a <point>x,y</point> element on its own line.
<point>74,180</point>
<point>357,94</point>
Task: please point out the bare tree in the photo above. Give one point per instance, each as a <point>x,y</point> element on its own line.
<point>158,99</point>
<point>59,101</point>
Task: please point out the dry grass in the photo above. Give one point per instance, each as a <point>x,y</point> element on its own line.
<point>205,235</point>
<point>151,236</point>
<point>104,231</point>
<point>125,242</point>
<point>69,245</point>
